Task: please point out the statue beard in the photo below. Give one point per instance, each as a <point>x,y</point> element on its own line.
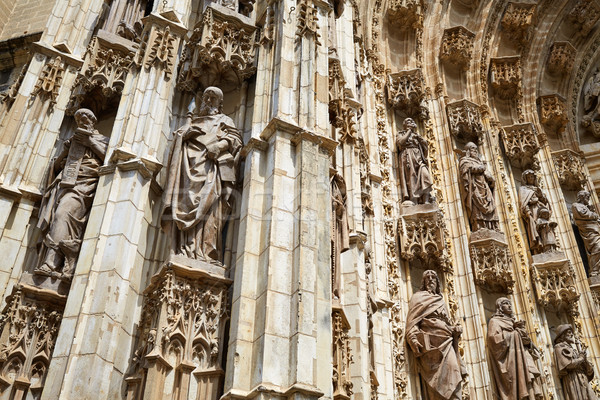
<point>207,109</point>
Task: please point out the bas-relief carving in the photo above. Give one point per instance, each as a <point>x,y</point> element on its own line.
<point>512,356</point>
<point>536,212</point>
<point>414,177</point>
<point>340,232</point>
<point>68,198</point>
<point>478,184</point>
<point>574,369</point>
<point>434,340</point>
<point>588,224</point>
<point>201,178</point>
<point>591,104</point>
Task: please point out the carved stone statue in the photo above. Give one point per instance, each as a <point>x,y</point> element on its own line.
<point>68,198</point>
<point>588,223</point>
<point>434,340</point>
<point>573,366</point>
<point>512,356</point>
<point>415,180</point>
<point>478,186</point>
<point>591,103</point>
<point>201,179</point>
<point>340,237</point>
<point>532,200</point>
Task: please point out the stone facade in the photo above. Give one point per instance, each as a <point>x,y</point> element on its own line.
<point>342,157</point>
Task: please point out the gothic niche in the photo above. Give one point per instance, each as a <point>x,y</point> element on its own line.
<point>220,51</point>
<point>68,199</point>
<point>124,18</point>
<point>520,144</point>
<point>340,232</point>
<point>457,46</point>
<point>405,14</point>
<point>342,356</point>
<point>343,108</point>
<point>29,327</point>
<point>488,247</point>
<point>100,82</point>
<point>587,220</point>
<point>406,93</point>
<point>553,112</point>
<point>591,95</point>
<point>569,168</point>
<point>505,76</point>
<point>464,118</point>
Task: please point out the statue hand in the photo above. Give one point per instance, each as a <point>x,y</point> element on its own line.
<point>457,330</point>
<point>519,324</point>
<point>416,346</point>
<point>81,138</point>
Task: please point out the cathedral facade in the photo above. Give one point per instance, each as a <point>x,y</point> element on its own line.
<point>299,199</point>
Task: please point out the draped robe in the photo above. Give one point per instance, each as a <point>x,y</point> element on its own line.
<point>575,377</point>
<point>589,229</point>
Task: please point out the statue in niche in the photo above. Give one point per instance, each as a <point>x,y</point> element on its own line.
<point>513,356</point>
<point>68,199</point>
<point>591,103</point>
<point>415,179</point>
<point>532,200</point>
<point>573,367</point>
<point>340,237</point>
<point>201,178</point>
<point>588,223</point>
<point>478,186</point>
<point>434,340</point>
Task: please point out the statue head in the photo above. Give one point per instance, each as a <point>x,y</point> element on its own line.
<point>544,213</point>
<point>564,333</point>
<point>583,196</point>
<point>528,177</point>
<point>504,307</point>
<point>431,282</point>
<point>471,150</point>
<point>409,123</point>
<point>211,101</point>
<point>85,119</point>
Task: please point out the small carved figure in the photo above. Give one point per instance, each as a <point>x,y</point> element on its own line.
<point>531,201</point>
<point>588,223</point>
<point>478,186</point>
<point>415,180</point>
<point>201,179</point>
<point>591,103</point>
<point>512,356</point>
<point>573,367</point>
<point>68,198</point>
<point>340,237</point>
<point>434,340</point>
<point>545,229</point>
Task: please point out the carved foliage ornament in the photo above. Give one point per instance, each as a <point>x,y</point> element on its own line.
<point>457,46</point>
<point>342,106</point>
<point>404,14</point>
<point>422,235</point>
<point>365,171</point>
<point>553,112</point>
<point>50,79</point>
<point>181,324</point>
<point>561,57</point>
<point>505,76</point>
<point>220,53</point>
<point>465,120</point>
<point>554,285</point>
<point>569,167</point>
<point>520,144</point>
<point>492,265</point>
<point>29,332</point>
<point>308,20</point>
<point>104,72</point>
<point>406,92</point>
<point>158,48</point>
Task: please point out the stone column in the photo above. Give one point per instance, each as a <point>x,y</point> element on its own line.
<point>103,305</point>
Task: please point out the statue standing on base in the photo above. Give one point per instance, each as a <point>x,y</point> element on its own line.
<point>478,184</point>
<point>573,366</point>
<point>434,340</point>
<point>536,212</point>
<point>201,179</point>
<point>414,176</point>
<point>68,199</point>
<point>588,223</point>
<point>512,356</point>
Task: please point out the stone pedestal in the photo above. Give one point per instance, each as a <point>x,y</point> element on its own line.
<point>553,276</point>
<point>181,332</point>
<point>492,265</point>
